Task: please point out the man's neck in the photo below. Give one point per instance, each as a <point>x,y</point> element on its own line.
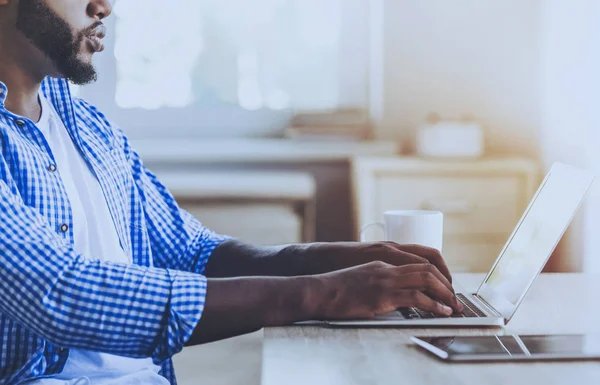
<point>22,97</point>
<point>22,81</point>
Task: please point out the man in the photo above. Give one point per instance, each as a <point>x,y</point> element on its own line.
<point>102,277</point>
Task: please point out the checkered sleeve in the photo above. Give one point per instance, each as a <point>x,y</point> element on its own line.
<point>76,303</point>
<point>179,241</point>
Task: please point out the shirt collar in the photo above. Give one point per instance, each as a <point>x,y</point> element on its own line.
<point>48,86</point>
<point>57,92</point>
<point>3,92</point>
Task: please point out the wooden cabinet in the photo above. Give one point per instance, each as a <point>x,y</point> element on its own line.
<point>481,200</point>
<point>258,207</point>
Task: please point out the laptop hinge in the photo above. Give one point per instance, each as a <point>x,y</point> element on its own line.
<point>487,305</point>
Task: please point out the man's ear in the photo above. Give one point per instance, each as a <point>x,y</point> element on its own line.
<point>4,2</point>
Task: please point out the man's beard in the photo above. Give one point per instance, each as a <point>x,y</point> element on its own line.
<point>53,36</point>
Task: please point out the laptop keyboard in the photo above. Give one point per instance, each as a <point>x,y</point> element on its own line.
<point>469,311</point>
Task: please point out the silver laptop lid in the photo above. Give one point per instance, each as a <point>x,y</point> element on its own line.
<point>534,238</point>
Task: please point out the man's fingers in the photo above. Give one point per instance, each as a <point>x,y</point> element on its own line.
<point>426,267</point>
<point>432,255</point>
<point>429,283</point>
<point>416,298</point>
<point>391,252</point>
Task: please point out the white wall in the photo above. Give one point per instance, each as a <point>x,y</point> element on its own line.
<point>475,57</point>
<point>570,113</point>
<point>528,69</point>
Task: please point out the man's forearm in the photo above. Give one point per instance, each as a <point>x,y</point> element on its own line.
<point>237,259</point>
<point>236,306</point>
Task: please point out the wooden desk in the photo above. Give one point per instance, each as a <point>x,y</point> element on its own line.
<point>314,355</point>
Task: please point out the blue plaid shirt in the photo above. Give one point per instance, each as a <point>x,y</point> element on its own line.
<point>51,298</point>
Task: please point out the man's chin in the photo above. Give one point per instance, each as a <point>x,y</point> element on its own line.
<point>80,73</point>
<point>82,81</point>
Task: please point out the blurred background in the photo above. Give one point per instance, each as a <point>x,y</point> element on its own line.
<point>260,115</point>
<point>281,121</point>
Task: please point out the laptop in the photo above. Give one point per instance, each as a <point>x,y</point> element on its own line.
<point>520,262</point>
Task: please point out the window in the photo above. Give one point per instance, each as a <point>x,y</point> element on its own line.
<point>223,67</point>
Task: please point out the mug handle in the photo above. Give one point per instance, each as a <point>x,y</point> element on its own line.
<point>368,226</point>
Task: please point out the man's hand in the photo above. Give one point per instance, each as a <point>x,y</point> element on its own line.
<point>379,288</point>
<point>325,257</point>
<point>286,284</point>
<point>240,305</point>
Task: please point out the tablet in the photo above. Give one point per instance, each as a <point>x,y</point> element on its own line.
<point>513,347</point>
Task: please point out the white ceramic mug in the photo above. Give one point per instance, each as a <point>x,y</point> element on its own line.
<point>420,227</point>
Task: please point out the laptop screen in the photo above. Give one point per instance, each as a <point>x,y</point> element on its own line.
<point>535,237</point>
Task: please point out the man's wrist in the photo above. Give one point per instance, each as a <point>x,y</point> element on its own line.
<point>317,258</point>
<point>298,300</point>
<point>292,260</point>
<point>312,297</point>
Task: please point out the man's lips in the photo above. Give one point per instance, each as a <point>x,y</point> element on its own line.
<point>95,38</point>
<point>100,31</point>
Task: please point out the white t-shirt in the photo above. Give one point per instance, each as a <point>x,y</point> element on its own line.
<point>95,237</point>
